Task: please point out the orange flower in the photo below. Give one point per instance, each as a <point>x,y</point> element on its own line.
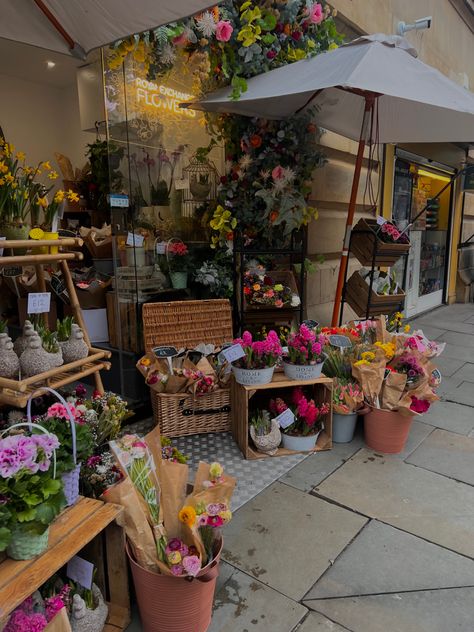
<point>187,515</point>
<point>255,287</point>
<point>274,216</point>
<point>230,236</point>
<point>287,29</point>
<point>255,141</point>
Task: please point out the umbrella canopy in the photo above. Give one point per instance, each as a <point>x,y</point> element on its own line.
<point>79,26</point>
<point>417,103</point>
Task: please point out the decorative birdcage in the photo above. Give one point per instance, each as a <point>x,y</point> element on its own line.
<point>202,177</point>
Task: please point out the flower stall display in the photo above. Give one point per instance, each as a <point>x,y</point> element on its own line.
<point>265,432</point>
<point>30,494</point>
<point>347,400</point>
<point>36,614</point>
<point>257,364</point>
<point>389,242</point>
<point>306,422</point>
<point>305,357</point>
<point>76,443</point>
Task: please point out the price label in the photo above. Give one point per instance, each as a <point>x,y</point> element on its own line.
<point>233,353</point>
<point>311,324</point>
<point>80,571</point>
<point>286,418</point>
<point>161,248</point>
<point>165,352</point>
<point>39,302</point>
<point>340,341</point>
<point>1,249</point>
<point>118,201</point>
<point>12,271</point>
<point>135,240</point>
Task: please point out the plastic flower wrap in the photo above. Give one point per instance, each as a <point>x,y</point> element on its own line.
<point>137,462</point>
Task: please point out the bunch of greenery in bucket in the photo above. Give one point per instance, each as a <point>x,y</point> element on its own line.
<point>347,399</point>
<point>265,432</point>
<point>305,357</point>
<point>257,364</point>
<point>30,496</point>
<point>76,444</point>
<point>307,421</point>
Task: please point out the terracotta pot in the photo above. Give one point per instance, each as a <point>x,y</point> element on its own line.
<point>175,604</point>
<point>386,430</point>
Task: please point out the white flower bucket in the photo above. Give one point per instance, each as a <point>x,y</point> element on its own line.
<point>343,427</point>
<point>252,377</point>
<point>299,443</point>
<point>302,371</point>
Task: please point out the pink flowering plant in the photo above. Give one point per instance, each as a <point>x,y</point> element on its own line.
<point>389,233</point>
<point>56,421</point>
<point>33,615</point>
<point>347,397</point>
<point>308,415</point>
<point>409,364</point>
<point>305,347</point>
<point>30,497</point>
<point>182,559</point>
<point>210,519</point>
<point>259,354</point>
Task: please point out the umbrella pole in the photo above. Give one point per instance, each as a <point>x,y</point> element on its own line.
<point>369,105</point>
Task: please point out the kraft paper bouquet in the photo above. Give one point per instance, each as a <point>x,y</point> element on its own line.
<point>169,530</point>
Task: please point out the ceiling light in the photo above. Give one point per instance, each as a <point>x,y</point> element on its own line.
<point>51,64</point>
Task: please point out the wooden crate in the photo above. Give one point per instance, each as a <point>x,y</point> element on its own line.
<point>75,527</point>
<point>286,278</point>
<point>362,244</point>
<point>357,296</point>
<point>240,397</point>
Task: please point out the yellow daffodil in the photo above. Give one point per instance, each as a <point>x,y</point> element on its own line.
<point>406,329</point>
<point>9,178</point>
<point>72,196</point>
<point>368,356</point>
<point>3,167</point>
<point>21,155</point>
<point>46,165</point>
<point>52,175</point>
<point>8,149</point>
<point>27,170</point>
<point>43,202</point>
<point>14,185</point>
<point>59,196</point>
<point>2,182</point>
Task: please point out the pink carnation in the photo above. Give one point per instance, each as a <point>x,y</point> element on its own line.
<point>316,13</point>
<point>224,31</point>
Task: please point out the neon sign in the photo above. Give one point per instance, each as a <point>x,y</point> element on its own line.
<point>162,97</point>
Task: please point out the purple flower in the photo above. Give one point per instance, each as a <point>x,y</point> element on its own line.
<point>174,545</point>
<point>177,569</point>
<point>3,499</point>
<point>192,565</point>
<point>9,463</point>
<point>412,373</point>
<point>213,509</point>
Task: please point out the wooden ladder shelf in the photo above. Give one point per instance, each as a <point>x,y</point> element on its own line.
<point>17,392</point>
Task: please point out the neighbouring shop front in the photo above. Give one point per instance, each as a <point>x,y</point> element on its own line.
<point>416,184</point>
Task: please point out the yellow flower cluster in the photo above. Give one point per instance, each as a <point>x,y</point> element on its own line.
<point>139,50</point>
<point>223,222</point>
<point>365,358</point>
<point>388,348</point>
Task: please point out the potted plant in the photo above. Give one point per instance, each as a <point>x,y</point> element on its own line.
<point>76,444</point>
<point>261,356</point>
<point>179,263</point>
<point>71,340</point>
<point>265,432</point>
<point>51,210</point>
<point>35,358</point>
<point>347,399</point>
<point>301,435</point>
<point>305,358</point>
<point>30,496</point>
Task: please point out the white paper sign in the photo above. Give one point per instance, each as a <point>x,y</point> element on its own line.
<point>80,571</point>
<point>381,220</point>
<point>286,418</point>
<point>181,183</point>
<point>1,249</point>
<point>161,248</point>
<point>233,353</point>
<point>39,302</point>
<point>135,240</point>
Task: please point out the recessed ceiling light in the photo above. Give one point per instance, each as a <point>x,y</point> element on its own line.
<point>51,64</point>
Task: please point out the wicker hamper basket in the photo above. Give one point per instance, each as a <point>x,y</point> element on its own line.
<point>186,324</point>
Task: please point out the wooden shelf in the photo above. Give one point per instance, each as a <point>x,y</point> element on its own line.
<point>70,532</point>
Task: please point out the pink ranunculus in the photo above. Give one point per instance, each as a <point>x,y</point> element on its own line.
<point>316,13</point>
<point>224,31</point>
<point>278,172</point>
<point>177,569</point>
<point>215,521</point>
<point>192,565</point>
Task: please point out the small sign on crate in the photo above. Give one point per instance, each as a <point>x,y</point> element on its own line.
<point>39,302</point>
<point>340,341</point>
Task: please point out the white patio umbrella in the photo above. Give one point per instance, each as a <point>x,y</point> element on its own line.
<point>373,86</point>
<point>79,26</point>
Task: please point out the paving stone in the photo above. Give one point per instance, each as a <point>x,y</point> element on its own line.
<point>430,332</point>
<point>316,622</point>
<point>225,573</point>
<point>448,454</point>
<point>286,538</point>
<point>382,559</point>
<point>319,465</point>
<point>462,394</point>
<point>464,373</point>
<point>430,611</point>
<point>450,416</point>
<point>441,325</point>
<point>243,604</point>
<point>458,352</point>
<point>426,504</point>
<point>418,433</point>
<point>455,338</point>
<point>448,366</point>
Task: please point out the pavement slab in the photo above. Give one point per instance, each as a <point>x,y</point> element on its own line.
<point>448,366</point>
<point>316,622</point>
<point>439,325</point>
<point>427,611</point>
<point>244,604</point>
<point>413,499</point>
<point>457,352</point>
<point>456,338</point>
<point>287,539</point>
<point>418,433</point>
<point>319,465</point>
<point>450,416</point>
<point>462,394</point>
<point>446,453</point>
<point>383,559</point>
<point>464,373</point>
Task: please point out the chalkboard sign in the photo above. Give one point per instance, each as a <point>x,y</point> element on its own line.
<point>59,288</point>
<point>165,352</point>
<point>340,341</point>
<point>311,324</point>
<point>12,271</point>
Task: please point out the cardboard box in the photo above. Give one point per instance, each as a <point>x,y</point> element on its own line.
<point>96,324</point>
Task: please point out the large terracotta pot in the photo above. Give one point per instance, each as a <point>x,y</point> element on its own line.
<point>386,430</point>
<point>175,604</point>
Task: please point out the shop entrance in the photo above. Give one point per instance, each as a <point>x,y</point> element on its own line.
<point>416,184</point>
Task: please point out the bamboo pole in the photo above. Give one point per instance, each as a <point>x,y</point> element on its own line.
<point>6,382</point>
<point>42,288</point>
<point>39,243</point>
<point>62,369</point>
<point>39,259</point>
<point>74,301</point>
